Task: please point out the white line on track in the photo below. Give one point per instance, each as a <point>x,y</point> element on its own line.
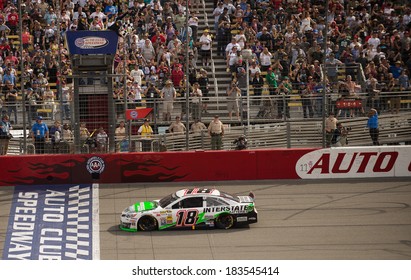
<point>96,223</point>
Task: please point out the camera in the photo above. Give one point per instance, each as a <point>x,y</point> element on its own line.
<point>348,128</point>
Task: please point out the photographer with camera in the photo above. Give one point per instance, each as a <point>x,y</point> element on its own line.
<point>233,95</point>
<point>240,143</point>
<point>340,136</point>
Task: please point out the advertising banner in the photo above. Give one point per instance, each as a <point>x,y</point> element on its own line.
<point>92,42</point>
<point>355,162</point>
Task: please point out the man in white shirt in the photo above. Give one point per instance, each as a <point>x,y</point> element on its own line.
<point>137,75</point>
<point>216,13</point>
<point>374,40</point>
<point>231,45</point>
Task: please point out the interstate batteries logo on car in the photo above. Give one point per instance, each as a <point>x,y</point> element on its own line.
<point>91,42</point>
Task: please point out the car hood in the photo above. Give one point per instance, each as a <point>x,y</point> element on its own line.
<point>144,206</point>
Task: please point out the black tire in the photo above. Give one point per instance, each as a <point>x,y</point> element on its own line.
<point>225,221</point>
<point>147,223</point>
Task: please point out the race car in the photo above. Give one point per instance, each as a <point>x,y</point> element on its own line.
<point>194,208</point>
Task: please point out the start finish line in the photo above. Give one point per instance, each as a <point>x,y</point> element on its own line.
<point>53,223</point>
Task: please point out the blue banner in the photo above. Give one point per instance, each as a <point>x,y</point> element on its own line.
<point>92,42</point>
<point>51,223</point>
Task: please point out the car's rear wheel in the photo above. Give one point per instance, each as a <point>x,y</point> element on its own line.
<point>225,221</point>
<point>147,223</point>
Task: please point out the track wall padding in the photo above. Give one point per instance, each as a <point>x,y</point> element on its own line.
<point>352,162</point>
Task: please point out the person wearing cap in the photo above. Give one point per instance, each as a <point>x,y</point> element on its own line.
<point>396,69</point>
<point>55,136</point>
<point>5,134</point>
<point>168,94</point>
<point>205,48</point>
<point>193,24</point>
<point>39,134</point>
<point>146,133</point>
<point>216,131</point>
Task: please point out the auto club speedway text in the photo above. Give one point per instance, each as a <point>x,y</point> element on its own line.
<point>50,224</point>
<point>24,222</point>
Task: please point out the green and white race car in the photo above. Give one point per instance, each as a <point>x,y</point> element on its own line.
<point>192,208</point>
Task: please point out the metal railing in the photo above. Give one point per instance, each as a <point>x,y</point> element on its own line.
<point>268,129</point>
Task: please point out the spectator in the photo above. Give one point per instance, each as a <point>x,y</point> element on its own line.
<point>11,95</point>
<point>197,127</point>
<point>101,140</point>
<point>306,100</point>
<point>146,133</point>
<point>339,137</point>
<point>84,133</point>
<point>216,132</point>
<point>196,100</point>
<point>204,87</point>
<point>205,47</point>
<point>122,143</point>
<point>330,127</point>
<point>168,94</point>
<point>39,134</point>
<point>372,125</point>
<point>5,134</point>
<point>271,79</point>
<point>177,127</point>
<point>55,135</point>
<point>233,95</point>
<point>283,91</point>
<point>258,83</point>
<point>67,134</point>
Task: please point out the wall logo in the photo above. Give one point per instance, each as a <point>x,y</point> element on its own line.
<point>91,42</point>
<point>52,223</point>
<point>95,165</point>
<point>354,163</point>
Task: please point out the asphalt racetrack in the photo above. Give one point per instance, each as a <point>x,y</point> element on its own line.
<point>311,220</point>
<point>351,219</point>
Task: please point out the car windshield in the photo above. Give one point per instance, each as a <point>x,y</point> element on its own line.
<point>165,201</point>
<point>229,196</point>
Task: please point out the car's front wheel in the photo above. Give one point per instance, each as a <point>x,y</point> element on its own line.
<point>225,221</point>
<point>147,223</point>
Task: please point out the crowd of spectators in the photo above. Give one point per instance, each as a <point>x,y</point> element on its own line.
<point>151,49</point>
<point>286,37</point>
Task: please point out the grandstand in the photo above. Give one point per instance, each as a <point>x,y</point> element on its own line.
<point>369,40</point>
